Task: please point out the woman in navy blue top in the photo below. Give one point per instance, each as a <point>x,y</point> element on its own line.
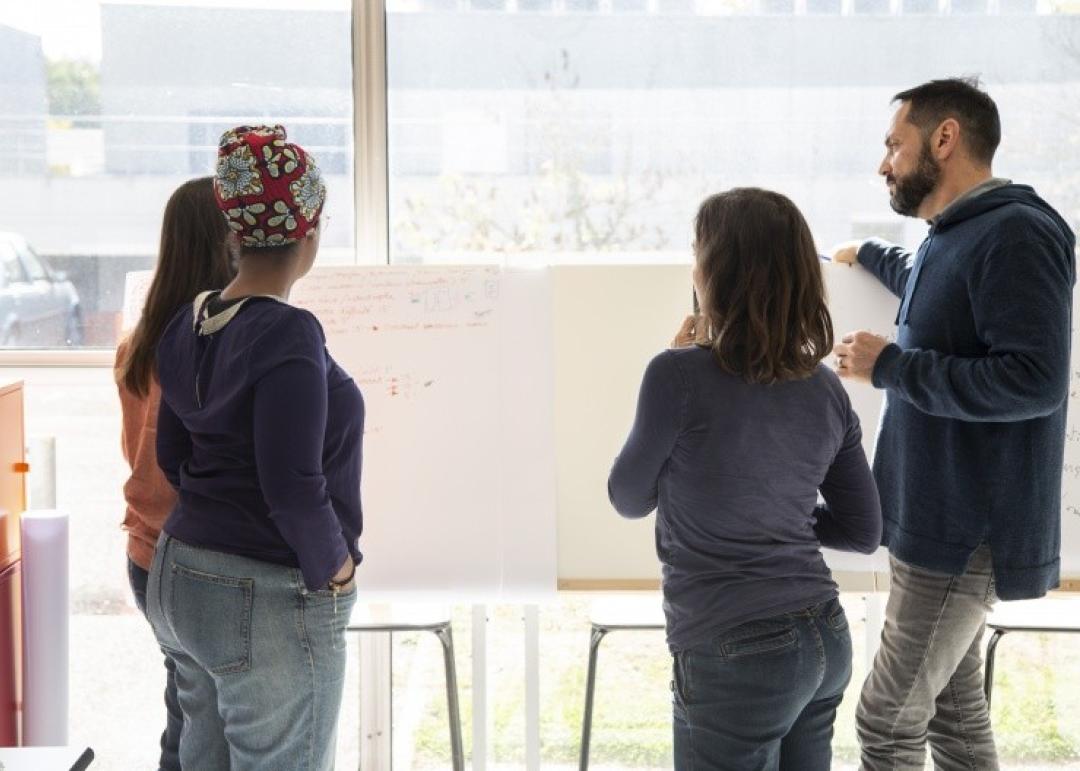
<point>738,429</point>
<point>260,432</point>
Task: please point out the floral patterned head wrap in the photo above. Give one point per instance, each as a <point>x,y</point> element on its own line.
<point>270,190</point>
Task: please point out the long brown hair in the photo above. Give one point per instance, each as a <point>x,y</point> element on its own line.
<point>193,257</point>
<point>763,295</point>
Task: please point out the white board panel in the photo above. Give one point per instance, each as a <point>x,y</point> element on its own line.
<point>858,301</point>
<point>498,399</point>
<point>609,322</point>
<point>526,518</point>
<point>448,506</point>
<point>455,367</point>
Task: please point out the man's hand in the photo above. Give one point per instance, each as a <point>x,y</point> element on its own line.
<point>857,353</point>
<point>687,334</point>
<point>847,252</point>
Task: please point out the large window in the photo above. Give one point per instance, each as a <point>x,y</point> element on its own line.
<point>561,131</point>
<point>108,106</point>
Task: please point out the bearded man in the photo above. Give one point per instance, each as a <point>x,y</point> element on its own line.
<point>971,443</point>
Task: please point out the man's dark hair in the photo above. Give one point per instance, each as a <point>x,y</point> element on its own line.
<point>962,100</point>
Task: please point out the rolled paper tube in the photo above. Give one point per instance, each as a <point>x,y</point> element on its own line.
<point>45,628</point>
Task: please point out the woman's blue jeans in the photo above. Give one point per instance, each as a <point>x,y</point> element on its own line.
<point>763,696</point>
<point>174,718</point>
<point>260,659</point>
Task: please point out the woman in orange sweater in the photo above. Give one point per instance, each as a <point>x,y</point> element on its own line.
<point>192,258</point>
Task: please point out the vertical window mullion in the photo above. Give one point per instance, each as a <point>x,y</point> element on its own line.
<point>370,165</point>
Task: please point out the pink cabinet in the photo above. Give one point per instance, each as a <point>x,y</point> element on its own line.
<point>12,503</point>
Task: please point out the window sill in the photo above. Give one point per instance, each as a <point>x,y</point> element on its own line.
<point>58,357</point>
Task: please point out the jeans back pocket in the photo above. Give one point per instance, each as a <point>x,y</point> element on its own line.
<point>759,637</point>
<point>211,618</point>
<point>836,618</point>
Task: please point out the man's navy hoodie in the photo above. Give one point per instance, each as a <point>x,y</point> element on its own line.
<point>971,442</point>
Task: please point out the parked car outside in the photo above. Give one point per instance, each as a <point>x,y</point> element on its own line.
<point>39,307</point>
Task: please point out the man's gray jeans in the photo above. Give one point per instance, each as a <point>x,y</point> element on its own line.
<point>927,678</point>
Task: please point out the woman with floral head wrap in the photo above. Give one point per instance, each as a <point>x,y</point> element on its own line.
<point>260,432</point>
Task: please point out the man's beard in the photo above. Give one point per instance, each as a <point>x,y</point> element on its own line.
<point>909,191</point>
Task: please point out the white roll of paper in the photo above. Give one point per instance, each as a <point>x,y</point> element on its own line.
<point>45,628</point>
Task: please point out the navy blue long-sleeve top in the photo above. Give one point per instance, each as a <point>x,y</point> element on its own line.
<point>260,431</point>
<point>972,438</point>
<point>733,470</point>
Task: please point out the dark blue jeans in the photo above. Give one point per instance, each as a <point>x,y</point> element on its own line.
<point>174,718</point>
<point>763,696</point>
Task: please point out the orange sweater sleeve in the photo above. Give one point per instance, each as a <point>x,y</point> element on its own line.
<point>148,496</point>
